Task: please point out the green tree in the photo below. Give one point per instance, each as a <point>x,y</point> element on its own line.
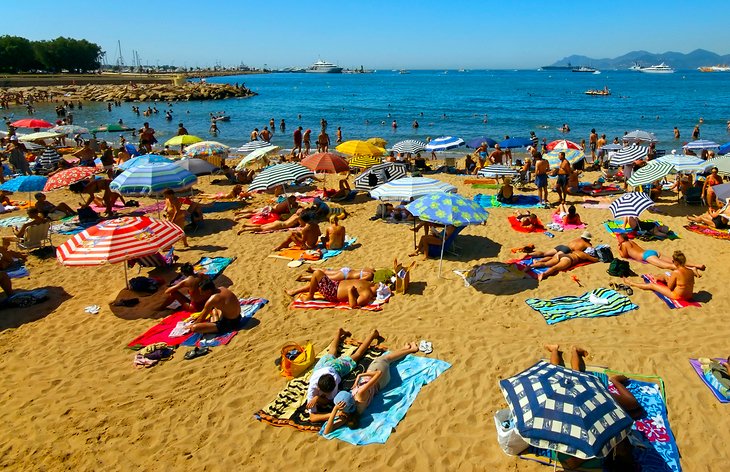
<point>17,54</point>
<point>68,54</point>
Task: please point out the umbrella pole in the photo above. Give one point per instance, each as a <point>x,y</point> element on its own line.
<point>443,245</point>
<point>414,233</point>
<point>126,278</point>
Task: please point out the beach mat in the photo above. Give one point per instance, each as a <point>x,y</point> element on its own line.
<point>296,253</point>
<point>319,303</point>
<point>559,221</point>
<point>564,308</point>
<point>697,367</point>
<point>390,405</point>
<point>17,273</point>
<point>25,298</point>
<point>486,186</point>
<point>13,221</point>
<point>669,302</point>
<point>604,190</point>
<point>521,201</point>
<point>490,272</point>
<point>515,224</point>
<point>525,265</point>
<point>249,306</point>
<point>289,406</point>
<point>708,231</point>
<point>617,227</point>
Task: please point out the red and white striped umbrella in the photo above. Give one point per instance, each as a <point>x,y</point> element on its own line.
<point>69,176</point>
<point>118,240</point>
<point>562,145</point>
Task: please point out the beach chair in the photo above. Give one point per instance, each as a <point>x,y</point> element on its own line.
<point>36,237</point>
<point>450,246</point>
<point>693,196</point>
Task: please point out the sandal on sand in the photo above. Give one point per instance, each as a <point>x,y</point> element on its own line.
<point>425,347</point>
<point>196,352</point>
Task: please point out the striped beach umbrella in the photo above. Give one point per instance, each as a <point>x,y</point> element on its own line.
<point>651,172</point>
<point>639,136</point>
<point>571,155</point>
<point>153,178</point>
<point>49,158</point>
<point>205,149</point>
<point>40,135</point>
<point>380,174</point>
<point>25,183</point>
<point>326,162</point>
<point>562,145</point>
<point>280,174</point>
<point>683,163</point>
<point>70,176</point>
<point>630,204</point>
<point>31,123</point>
<point>498,170</point>
<point>410,187</point>
<point>145,159</point>
<point>444,143</point>
<point>196,166</point>
<point>257,155</point>
<point>360,148</point>
<point>628,155</point>
<point>722,163</point>
<point>722,192</point>
<point>701,145</point>
<point>70,129</point>
<point>412,146</point>
<point>182,140</point>
<point>252,146</point>
<point>565,410</point>
<point>724,149</point>
<point>364,162</point>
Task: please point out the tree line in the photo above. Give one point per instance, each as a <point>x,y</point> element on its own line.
<point>19,54</point>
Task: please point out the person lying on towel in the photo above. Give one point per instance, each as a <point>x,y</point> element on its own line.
<point>576,245</point>
<point>366,273</point>
<point>329,371</point>
<point>356,293</point>
<point>678,286</point>
<point>292,222</point>
<point>629,249</point>
<point>561,262</point>
<point>221,308</point>
<point>528,220</point>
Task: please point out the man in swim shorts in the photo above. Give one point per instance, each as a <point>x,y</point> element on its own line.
<point>563,174</point>
<point>541,179</point>
<point>576,245</point>
<point>222,308</point>
<point>356,292</point>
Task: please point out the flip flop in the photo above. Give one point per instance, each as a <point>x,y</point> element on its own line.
<point>425,347</point>
<point>93,309</point>
<point>196,352</point>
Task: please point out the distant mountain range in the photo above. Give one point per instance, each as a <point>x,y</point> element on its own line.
<point>677,60</point>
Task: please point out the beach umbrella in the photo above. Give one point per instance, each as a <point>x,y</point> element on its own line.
<point>639,136</point>
<point>701,145</point>
<point>205,149</point>
<point>30,146</point>
<point>182,140</point>
<point>40,135</point>
<point>476,142</point>
<point>565,410</point>
<point>70,176</point>
<point>409,146</point>
<point>628,155</point>
<point>571,155</point>
<point>118,240</point>
<point>447,209</point>
<point>562,145</point>
<point>612,147</point>
<point>196,166</point>
<point>724,149</point>
<point>683,163</point>
<point>363,162</point>
<point>410,187</point>
<point>360,148</point>
<point>112,128</point>
<point>69,129</point>
<point>49,158</point>
<point>630,204</point>
<point>722,163</point>
<point>131,150</point>
<point>649,173</point>
<point>25,183</point>
<point>380,142</point>
<point>31,123</point>
<point>144,159</point>
<point>511,143</point>
<point>326,162</point>
<point>498,170</point>
<point>444,143</point>
<point>380,174</point>
<point>257,155</point>
<point>722,191</point>
<point>280,174</point>
<point>252,146</point>
<point>152,178</point>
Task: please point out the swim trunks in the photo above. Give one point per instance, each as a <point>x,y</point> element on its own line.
<point>343,365</point>
<point>648,253</point>
<point>541,180</point>
<point>563,248</point>
<point>226,325</point>
<point>562,180</point>
<point>328,288</point>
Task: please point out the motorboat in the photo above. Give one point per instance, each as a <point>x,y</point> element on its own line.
<point>657,69</point>
<point>599,92</point>
<point>324,67</point>
<point>584,69</point>
<point>717,68</point>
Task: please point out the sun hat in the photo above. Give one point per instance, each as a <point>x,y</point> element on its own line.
<point>586,235</point>
<point>348,399</point>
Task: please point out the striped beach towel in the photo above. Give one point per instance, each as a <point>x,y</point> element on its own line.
<point>670,303</point>
<point>320,303</point>
<point>697,366</point>
<point>13,221</point>
<point>707,231</point>
<point>618,227</point>
<point>596,303</point>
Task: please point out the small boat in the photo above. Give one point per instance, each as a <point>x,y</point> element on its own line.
<point>635,67</point>
<point>717,68</point>
<point>601,93</point>
<point>403,71</point>
<point>657,69</point>
<point>584,69</point>
<point>221,118</point>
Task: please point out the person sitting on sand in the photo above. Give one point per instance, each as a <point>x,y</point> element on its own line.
<point>221,305</point>
<point>10,260</point>
<point>356,293</point>
<point>174,212</point>
<point>283,209</point>
<point>347,273</point>
<point>194,301</point>
<point>349,406</point>
<point>506,192</point>
<point>573,187</point>
<point>431,239</point>
<point>629,249</point>
<point>36,218</point>
<point>656,230</point>
<point>5,197</point>
<point>717,219</point>
<point>568,215</point>
<point>49,210</point>
<point>108,199</point>
<point>680,283</point>
<point>307,237</point>
<point>343,192</point>
<point>334,235</point>
<point>528,220</point>
<point>328,373</point>
<point>561,262</point>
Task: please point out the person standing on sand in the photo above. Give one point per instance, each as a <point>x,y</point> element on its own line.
<point>542,166</point>
<point>563,174</point>
<point>339,135</point>
<point>323,142</point>
<point>593,143</point>
<point>496,156</point>
<point>306,139</point>
<point>297,149</point>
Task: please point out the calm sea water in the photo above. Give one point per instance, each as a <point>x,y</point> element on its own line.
<point>451,103</point>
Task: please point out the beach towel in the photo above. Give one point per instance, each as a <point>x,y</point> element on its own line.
<point>161,332</point>
<point>212,266</point>
<point>519,201</point>
<point>517,226</point>
<point>697,367</point>
<point>14,221</point>
<point>310,256</point>
<point>670,303</point>
<point>596,303</point>
<point>25,298</point>
<point>320,303</point>
<point>391,404</point>
<point>604,190</point>
<point>473,181</point>
<point>486,186</point>
<point>17,273</point>
<point>118,205</point>
<point>617,227</point>
<point>249,306</point>
<point>288,408</point>
<point>559,221</point>
<point>525,265</point>
<point>220,206</point>
<point>71,225</point>
<point>708,231</point>
<point>153,208</point>
<point>490,272</point>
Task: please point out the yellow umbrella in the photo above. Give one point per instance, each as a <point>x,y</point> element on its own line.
<point>380,142</point>
<point>360,148</point>
<point>364,162</point>
<point>182,140</point>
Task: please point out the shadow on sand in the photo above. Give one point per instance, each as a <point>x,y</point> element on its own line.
<point>15,317</point>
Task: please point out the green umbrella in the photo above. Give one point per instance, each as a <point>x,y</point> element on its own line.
<point>112,128</point>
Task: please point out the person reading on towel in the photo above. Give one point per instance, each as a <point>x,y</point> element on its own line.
<point>576,245</point>
<point>431,239</point>
<point>718,219</point>
<point>35,219</point>
<point>355,292</point>
<point>656,230</point>
<point>223,308</point>
<point>349,406</point>
<point>528,220</point>
<point>307,237</point>
<point>629,249</point>
<point>568,215</point>
<point>506,192</point>
<point>679,285</point>
<point>334,236</point>
<point>329,371</point>
<point>560,262</point>
<point>49,210</point>
<point>194,301</point>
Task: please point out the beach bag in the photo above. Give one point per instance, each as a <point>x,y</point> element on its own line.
<point>372,180</point>
<point>144,284</point>
<point>619,268</point>
<point>87,215</point>
<point>295,359</point>
<point>382,211</point>
<point>604,254</point>
<point>509,439</point>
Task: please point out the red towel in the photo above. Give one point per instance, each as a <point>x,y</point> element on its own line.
<point>517,226</point>
<point>160,333</point>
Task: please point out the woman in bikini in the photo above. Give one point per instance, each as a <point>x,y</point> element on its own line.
<point>561,262</point>
<point>707,193</point>
<point>174,212</point>
<point>678,286</point>
<point>718,219</point>
<point>629,249</point>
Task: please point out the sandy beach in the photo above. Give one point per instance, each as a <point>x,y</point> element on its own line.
<point>72,400</point>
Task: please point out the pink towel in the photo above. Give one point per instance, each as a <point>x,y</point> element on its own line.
<point>558,221</point>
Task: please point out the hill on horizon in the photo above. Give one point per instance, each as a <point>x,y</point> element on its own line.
<point>677,60</point>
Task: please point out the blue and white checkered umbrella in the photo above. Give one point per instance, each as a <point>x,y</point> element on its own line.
<point>25,183</point>
<point>565,410</point>
<point>411,146</point>
<point>152,178</point>
<point>145,159</point>
<point>628,155</point>
<point>630,204</point>
<point>410,187</point>
<point>444,143</point>
<point>280,174</point>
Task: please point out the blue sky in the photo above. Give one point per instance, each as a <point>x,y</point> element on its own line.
<point>378,34</point>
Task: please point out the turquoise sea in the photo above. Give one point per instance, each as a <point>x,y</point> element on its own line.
<point>450,103</point>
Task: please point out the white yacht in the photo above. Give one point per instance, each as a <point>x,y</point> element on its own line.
<point>324,67</point>
<point>657,69</point>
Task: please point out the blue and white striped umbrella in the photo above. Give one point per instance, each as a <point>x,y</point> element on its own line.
<point>651,172</point>
<point>639,136</point>
<point>252,146</point>
<point>25,183</point>
<point>49,158</point>
<point>571,155</point>
<point>444,143</point>
<point>410,187</point>
<point>145,159</point>
<point>722,163</point>
<point>682,163</point>
<point>411,146</point>
<point>380,174</point>
<point>565,410</point>
<point>701,144</point>
<point>153,178</point>
<point>628,155</point>
<point>630,204</point>
<point>280,174</point>
<point>498,170</point>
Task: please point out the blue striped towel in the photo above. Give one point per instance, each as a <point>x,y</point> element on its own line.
<point>566,308</point>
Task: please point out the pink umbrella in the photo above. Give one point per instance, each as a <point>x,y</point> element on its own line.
<point>32,123</point>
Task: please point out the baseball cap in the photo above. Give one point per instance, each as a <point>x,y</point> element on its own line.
<point>586,235</point>
<point>348,399</point>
